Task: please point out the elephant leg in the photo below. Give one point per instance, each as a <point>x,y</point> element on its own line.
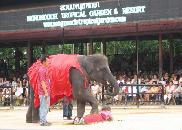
<point>32,115</point>
<point>35,115</point>
<point>80,111</point>
<point>29,114</point>
<point>80,108</point>
<point>82,94</point>
<point>93,102</point>
<point>77,82</point>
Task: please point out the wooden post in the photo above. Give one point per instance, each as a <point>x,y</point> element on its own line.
<point>82,48</point>
<point>30,62</point>
<point>73,49</point>
<point>43,48</point>
<point>103,51</point>
<point>85,48</point>
<point>160,57</point>
<point>18,57</point>
<point>103,47</point>
<point>171,48</point>
<point>90,48</point>
<point>30,53</point>
<point>137,58</point>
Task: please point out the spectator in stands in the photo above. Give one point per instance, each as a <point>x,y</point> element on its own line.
<point>155,79</point>
<point>178,94</point>
<point>25,91</point>
<point>19,81</point>
<point>125,90</point>
<point>120,79</point>
<point>170,89</point>
<point>155,96</point>
<point>19,94</point>
<point>6,96</point>
<point>14,83</point>
<point>143,94</point>
<point>6,82</point>
<point>129,90</point>
<point>165,77</point>
<point>1,95</point>
<point>95,89</point>
<point>1,82</point>
<point>142,90</point>
<point>99,95</point>
<point>118,98</point>
<point>175,80</point>
<point>134,88</point>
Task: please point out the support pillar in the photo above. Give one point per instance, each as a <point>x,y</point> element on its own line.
<point>43,48</point>
<point>81,48</point>
<point>30,62</point>
<point>32,112</point>
<point>103,51</point>
<point>30,54</point>
<point>18,56</point>
<point>137,58</point>
<point>171,56</point>
<point>76,48</point>
<point>85,48</point>
<point>160,57</point>
<point>103,47</point>
<point>73,49</point>
<point>90,48</point>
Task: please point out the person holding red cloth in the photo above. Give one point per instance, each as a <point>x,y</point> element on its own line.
<point>43,90</point>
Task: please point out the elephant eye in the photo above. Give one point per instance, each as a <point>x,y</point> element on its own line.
<point>101,69</point>
<point>97,69</point>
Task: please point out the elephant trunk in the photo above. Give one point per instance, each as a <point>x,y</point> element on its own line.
<point>112,85</point>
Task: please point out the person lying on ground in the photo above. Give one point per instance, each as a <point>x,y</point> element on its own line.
<point>103,115</point>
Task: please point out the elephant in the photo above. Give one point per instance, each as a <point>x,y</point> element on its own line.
<point>96,68</point>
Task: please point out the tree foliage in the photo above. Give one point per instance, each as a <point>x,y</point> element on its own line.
<point>121,54</point>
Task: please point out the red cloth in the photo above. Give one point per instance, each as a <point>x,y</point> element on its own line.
<point>59,67</point>
<point>95,118</point>
<point>33,78</point>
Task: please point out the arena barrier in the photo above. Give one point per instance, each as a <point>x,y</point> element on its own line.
<point>128,97</point>
<point>135,95</point>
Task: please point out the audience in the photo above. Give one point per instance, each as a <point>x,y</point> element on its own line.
<point>18,87</point>
<point>170,84</point>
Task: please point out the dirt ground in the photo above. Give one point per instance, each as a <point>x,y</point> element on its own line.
<point>125,118</point>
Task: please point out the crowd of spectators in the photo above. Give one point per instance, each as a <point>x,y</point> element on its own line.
<point>167,89</point>
<point>153,90</point>
<point>17,87</point>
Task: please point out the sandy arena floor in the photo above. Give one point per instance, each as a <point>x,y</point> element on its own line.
<point>125,118</point>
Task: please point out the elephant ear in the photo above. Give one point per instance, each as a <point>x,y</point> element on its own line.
<point>86,64</point>
<point>99,61</point>
<point>93,62</point>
